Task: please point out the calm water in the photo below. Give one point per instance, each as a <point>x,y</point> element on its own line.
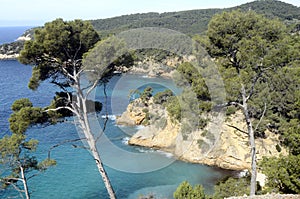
<point>76,175</point>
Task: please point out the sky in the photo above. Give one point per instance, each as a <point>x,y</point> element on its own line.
<point>37,12</point>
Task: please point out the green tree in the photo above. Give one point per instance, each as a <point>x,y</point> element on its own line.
<point>162,97</point>
<point>248,47</point>
<point>57,53</point>
<point>283,174</point>
<point>231,187</point>
<point>186,191</point>
<point>190,77</point>
<point>183,191</point>
<point>17,152</point>
<point>292,137</point>
<point>189,106</point>
<point>146,95</point>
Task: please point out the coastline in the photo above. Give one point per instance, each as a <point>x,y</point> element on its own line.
<point>222,146</point>
<point>9,57</point>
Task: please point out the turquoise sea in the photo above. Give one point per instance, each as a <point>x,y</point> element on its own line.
<point>75,175</point>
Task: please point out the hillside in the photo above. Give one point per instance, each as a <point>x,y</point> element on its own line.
<point>190,22</point>
<point>193,21</point>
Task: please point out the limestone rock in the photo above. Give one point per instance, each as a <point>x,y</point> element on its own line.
<point>222,146</point>
<point>134,115</point>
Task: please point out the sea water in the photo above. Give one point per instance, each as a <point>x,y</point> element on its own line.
<point>76,175</point>
<point>10,34</point>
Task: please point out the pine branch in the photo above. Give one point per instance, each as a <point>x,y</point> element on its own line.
<point>92,88</point>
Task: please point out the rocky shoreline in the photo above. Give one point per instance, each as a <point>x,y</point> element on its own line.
<point>217,145</point>
<point>9,57</point>
<point>11,51</point>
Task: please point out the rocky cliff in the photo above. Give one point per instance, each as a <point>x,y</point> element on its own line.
<point>219,144</point>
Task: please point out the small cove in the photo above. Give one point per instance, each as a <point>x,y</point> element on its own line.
<point>76,175</point>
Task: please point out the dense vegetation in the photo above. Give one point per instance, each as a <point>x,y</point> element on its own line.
<point>190,22</point>
<point>193,21</point>
<point>268,72</point>
<point>17,152</point>
<point>224,188</point>
<point>259,61</point>
<point>258,58</point>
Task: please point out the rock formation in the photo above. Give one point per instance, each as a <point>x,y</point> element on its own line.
<point>219,144</point>
<point>12,50</point>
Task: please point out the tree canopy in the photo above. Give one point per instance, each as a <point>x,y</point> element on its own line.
<point>54,49</point>
<point>17,152</point>
<point>193,21</point>
<point>57,53</point>
<point>249,49</point>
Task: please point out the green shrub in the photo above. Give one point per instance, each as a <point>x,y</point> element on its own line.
<point>204,133</point>
<point>200,143</point>
<point>186,191</point>
<point>146,94</point>
<point>232,187</point>
<point>173,108</point>
<point>230,110</point>
<point>145,110</point>
<point>283,174</point>
<point>162,97</point>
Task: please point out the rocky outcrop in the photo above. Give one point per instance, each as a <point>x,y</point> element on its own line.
<point>10,56</point>
<point>134,115</point>
<point>231,149</point>
<point>219,144</point>
<point>12,50</point>
<point>154,136</point>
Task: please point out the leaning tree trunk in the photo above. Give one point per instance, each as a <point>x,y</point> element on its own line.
<point>252,143</point>
<point>24,180</point>
<point>103,173</point>
<point>85,125</point>
<point>93,148</point>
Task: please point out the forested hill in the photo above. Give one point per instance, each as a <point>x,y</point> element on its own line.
<point>190,22</point>
<point>193,21</point>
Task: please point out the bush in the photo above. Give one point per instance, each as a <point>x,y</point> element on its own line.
<point>232,187</point>
<point>162,97</point>
<point>283,174</point>
<point>186,191</point>
<point>230,110</point>
<point>146,94</point>
<point>173,108</point>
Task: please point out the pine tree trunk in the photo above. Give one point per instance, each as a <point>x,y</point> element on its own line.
<point>24,183</point>
<point>252,143</point>
<point>80,110</point>
<point>103,173</point>
<point>253,153</point>
<point>93,148</point>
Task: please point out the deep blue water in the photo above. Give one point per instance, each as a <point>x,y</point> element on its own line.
<point>75,175</point>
